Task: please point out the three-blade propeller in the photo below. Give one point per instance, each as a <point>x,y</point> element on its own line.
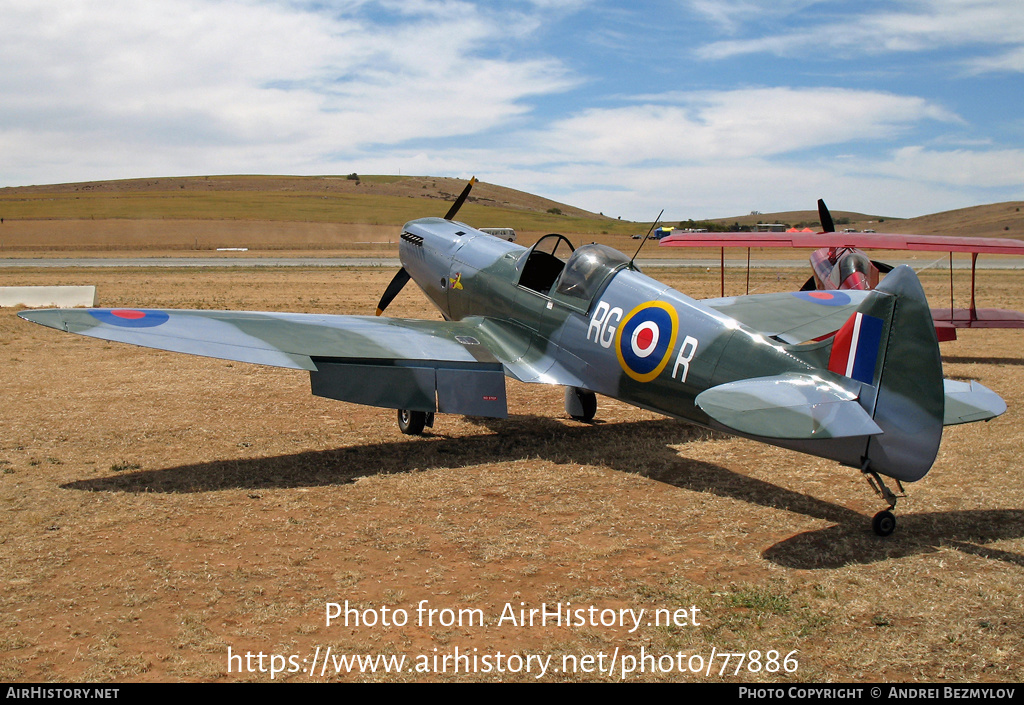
<point>401,277</point>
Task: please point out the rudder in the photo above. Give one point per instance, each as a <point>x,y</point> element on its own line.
<point>891,345</point>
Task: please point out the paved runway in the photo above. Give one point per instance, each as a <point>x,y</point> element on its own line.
<point>47,262</point>
<point>393,263</point>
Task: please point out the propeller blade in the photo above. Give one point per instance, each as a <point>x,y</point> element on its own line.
<point>401,279</point>
<point>882,266</point>
<point>809,285</point>
<point>460,200</point>
<point>827,226</point>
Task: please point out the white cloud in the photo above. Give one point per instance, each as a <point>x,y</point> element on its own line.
<point>734,124</point>
<point>712,190</point>
<point>1012,61</point>
<point>125,88</point>
<point>904,182</point>
<point>996,168</point>
<point>730,15</point>
<point>920,25</point>
<point>193,86</point>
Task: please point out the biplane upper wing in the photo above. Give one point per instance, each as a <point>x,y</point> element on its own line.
<point>877,241</point>
<point>947,318</point>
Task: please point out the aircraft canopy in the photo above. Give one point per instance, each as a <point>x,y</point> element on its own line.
<point>586,272</point>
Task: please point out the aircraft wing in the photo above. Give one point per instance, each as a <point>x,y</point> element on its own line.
<point>794,317</point>
<point>878,241</point>
<point>397,363</point>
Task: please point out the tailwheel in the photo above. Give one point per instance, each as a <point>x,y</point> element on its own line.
<point>411,423</point>
<point>884,523</point>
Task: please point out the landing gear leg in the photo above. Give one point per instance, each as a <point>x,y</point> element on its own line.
<point>884,522</point>
<point>581,404</point>
<point>411,423</point>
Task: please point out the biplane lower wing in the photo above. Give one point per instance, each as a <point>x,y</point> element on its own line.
<point>978,318</point>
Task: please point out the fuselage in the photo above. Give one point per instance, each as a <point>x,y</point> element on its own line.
<point>586,318</point>
<point>843,268</point>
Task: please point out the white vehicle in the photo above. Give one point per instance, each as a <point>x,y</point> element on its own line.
<point>503,233</point>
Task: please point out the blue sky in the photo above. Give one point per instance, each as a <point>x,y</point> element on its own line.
<point>704,108</point>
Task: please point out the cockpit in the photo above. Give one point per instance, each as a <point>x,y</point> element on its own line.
<point>576,281</point>
<point>544,262</point>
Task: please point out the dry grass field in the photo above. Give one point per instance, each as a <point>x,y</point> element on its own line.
<point>160,509</point>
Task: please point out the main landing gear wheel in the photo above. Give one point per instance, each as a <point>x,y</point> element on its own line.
<point>580,404</point>
<point>411,423</point>
<point>884,523</point>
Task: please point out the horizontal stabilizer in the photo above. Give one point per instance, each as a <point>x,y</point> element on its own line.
<point>792,406</point>
<point>970,401</point>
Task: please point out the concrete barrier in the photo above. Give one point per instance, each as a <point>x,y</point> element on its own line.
<point>45,296</point>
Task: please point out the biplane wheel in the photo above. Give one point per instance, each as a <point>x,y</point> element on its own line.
<point>884,523</point>
<point>411,423</point>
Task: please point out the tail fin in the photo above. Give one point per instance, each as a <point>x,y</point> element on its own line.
<point>890,345</point>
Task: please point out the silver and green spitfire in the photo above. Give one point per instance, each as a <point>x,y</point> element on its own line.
<point>854,376</point>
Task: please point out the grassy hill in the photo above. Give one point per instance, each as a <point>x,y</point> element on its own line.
<point>353,215</point>
<point>373,200</point>
<point>992,220</point>
<point>801,218</point>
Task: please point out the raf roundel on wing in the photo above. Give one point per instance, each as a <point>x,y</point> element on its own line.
<point>825,298</point>
<point>130,318</point>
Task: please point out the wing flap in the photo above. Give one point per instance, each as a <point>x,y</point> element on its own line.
<point>473,389</point>
<point>790,406</point>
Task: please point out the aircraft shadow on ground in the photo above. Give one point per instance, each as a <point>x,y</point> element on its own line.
<point>845,544</point>
<point>979,360</point>
<point>848,541</point>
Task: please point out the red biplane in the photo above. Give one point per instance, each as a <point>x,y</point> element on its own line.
<point>839,262</point>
